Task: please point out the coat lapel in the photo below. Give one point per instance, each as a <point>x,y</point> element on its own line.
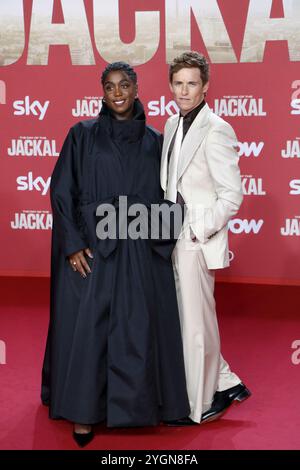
<point>164,159</point>
<point>193,139</point>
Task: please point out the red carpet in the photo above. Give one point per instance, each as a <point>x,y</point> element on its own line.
<point>258,326</point>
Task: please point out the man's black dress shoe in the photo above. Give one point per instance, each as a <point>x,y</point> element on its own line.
<point>83,439</point>
<point>181,422</point>
<point>222,401</point>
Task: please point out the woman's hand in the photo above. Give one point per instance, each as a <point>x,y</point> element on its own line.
<point>79,263</point>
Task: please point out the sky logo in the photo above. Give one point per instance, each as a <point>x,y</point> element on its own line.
<point>2,92</point>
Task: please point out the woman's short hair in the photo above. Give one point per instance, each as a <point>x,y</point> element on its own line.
<point>119,66</point>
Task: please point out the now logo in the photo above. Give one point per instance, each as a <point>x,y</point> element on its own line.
<point>237,226</point>
<point>246,149</point>
<point>24,107</point>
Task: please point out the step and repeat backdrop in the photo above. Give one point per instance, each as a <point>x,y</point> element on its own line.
<point>52,53</point>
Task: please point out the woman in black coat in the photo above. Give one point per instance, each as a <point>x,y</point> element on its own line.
<point>114,349</point>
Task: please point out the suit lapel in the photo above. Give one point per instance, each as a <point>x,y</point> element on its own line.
<point>193,139</point>
<point>164,159</point>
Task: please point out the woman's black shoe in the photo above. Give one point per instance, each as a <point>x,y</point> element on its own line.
<point>83,439</point>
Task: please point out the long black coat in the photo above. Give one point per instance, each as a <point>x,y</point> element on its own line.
<point>114,349</point>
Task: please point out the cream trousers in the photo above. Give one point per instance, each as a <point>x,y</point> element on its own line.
<point>206,370</point>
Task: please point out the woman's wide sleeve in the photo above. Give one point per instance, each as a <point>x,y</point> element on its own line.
<point>65,195</point>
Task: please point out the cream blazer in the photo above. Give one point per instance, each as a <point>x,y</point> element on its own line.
<point>209,181</point>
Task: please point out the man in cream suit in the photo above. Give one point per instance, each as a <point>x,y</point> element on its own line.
<point>199,168</point>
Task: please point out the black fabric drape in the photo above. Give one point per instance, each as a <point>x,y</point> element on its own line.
<point>114,348</point>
